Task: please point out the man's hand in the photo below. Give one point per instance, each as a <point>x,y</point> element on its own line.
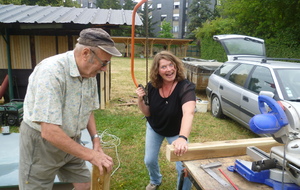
<point>100,159</point>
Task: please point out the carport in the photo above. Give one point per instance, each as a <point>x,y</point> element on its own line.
<point>167,42</point>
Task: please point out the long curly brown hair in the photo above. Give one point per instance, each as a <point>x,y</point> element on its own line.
<point>155,78</point>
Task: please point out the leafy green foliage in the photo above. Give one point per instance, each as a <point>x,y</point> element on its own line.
<point>275,21</point>
<point>199,12</point>
<point>128,5</point>
<point>43,2</point>
<point>108,4</point>
<point>212,50</point>
<point>15,2</point>
<point>71,3</point>
<point>66,3</point>
<point>166,30</point>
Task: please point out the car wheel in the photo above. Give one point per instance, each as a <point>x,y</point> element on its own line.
<point>216,108</point>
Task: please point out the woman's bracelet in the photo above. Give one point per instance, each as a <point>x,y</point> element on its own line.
<point>182,136</point>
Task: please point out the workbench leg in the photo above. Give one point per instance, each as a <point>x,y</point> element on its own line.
<point>181,180</point>
<point>183,175</point>
<point>195,184</point>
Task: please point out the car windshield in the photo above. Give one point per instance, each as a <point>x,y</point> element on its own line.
<point>289,82</point>
<point>244,46</point>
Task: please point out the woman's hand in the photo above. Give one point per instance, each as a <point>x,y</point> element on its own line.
<point>181,146</point>
<point>140,92</point>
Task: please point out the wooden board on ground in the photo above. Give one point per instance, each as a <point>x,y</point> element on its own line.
<point>217,149</point>
<point>206,182</point>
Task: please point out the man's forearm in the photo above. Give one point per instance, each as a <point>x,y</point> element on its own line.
<point>58,138</point>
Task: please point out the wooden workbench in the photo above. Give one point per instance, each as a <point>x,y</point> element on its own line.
<point>225,152</point>
<point>206,182</point>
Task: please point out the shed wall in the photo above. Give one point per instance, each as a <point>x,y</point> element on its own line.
<point>20,52</point>
<point>3,56</point>
<point>44,46</point>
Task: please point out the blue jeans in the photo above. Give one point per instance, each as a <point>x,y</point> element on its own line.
<point>152,147</point>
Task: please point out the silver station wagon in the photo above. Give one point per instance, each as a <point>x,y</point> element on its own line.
<point>234,87</point>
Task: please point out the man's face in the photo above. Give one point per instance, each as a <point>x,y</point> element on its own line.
<point>97,62</point>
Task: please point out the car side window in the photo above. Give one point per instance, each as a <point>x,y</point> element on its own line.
<point>224,69</point>
<point>240,74</point>
<point>261,80</point>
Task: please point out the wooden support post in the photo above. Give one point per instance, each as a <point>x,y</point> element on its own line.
<point>218,149</point>
<point>151,49</point>
<point>100,182</point>
<point>185,49</point>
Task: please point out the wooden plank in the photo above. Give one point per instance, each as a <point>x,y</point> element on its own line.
<point>102,90</point>
<point>100,182</point>
<point>218,149</point>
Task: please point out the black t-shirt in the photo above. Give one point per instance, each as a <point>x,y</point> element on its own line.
<point>166,113</point>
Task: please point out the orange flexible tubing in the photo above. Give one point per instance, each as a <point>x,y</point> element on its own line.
<point>132,40</point>
<point>4,86</point>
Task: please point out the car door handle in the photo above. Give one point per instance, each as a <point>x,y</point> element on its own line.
<point>245,99</point>
<point>221,87</point>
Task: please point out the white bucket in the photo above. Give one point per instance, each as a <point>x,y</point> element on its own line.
<point>201,106</point>
<point>5,130</point>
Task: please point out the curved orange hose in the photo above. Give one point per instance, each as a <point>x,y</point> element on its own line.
<point>132,40</point>
<point>4,86</point>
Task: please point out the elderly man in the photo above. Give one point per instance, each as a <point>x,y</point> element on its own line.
<point>59,103</point>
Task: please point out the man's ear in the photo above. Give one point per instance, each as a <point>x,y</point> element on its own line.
<point>85,53</point>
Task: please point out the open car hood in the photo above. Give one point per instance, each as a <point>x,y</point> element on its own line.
<point>237,46</point>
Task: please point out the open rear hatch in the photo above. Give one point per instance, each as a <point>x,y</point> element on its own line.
<point>239,46</point>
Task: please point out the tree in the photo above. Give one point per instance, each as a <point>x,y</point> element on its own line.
<point>199,12</point>
<point>147,22</point>
<point>15,2</point>
<point>166,30</point>
<point>129,5</point>
<point>55,3</point>
<point>66,3</point>
<point>265,19</point>
<point>71,3</point>
<point>275,21</point>
<point>108,4</point>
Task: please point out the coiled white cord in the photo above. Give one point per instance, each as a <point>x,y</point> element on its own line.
<point>110,141</point>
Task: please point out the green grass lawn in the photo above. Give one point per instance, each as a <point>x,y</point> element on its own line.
<point>127,123</point>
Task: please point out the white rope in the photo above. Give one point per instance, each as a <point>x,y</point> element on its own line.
<point>110,141</point>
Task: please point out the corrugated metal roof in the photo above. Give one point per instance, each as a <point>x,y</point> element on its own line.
<point>46,14</point>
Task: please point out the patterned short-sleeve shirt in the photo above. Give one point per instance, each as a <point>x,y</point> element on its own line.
<point>57,94</point>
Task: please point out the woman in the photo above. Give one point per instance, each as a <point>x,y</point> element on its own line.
<point>169,110</point>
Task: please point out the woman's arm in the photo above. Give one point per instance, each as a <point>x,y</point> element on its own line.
<point>188,110</point>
